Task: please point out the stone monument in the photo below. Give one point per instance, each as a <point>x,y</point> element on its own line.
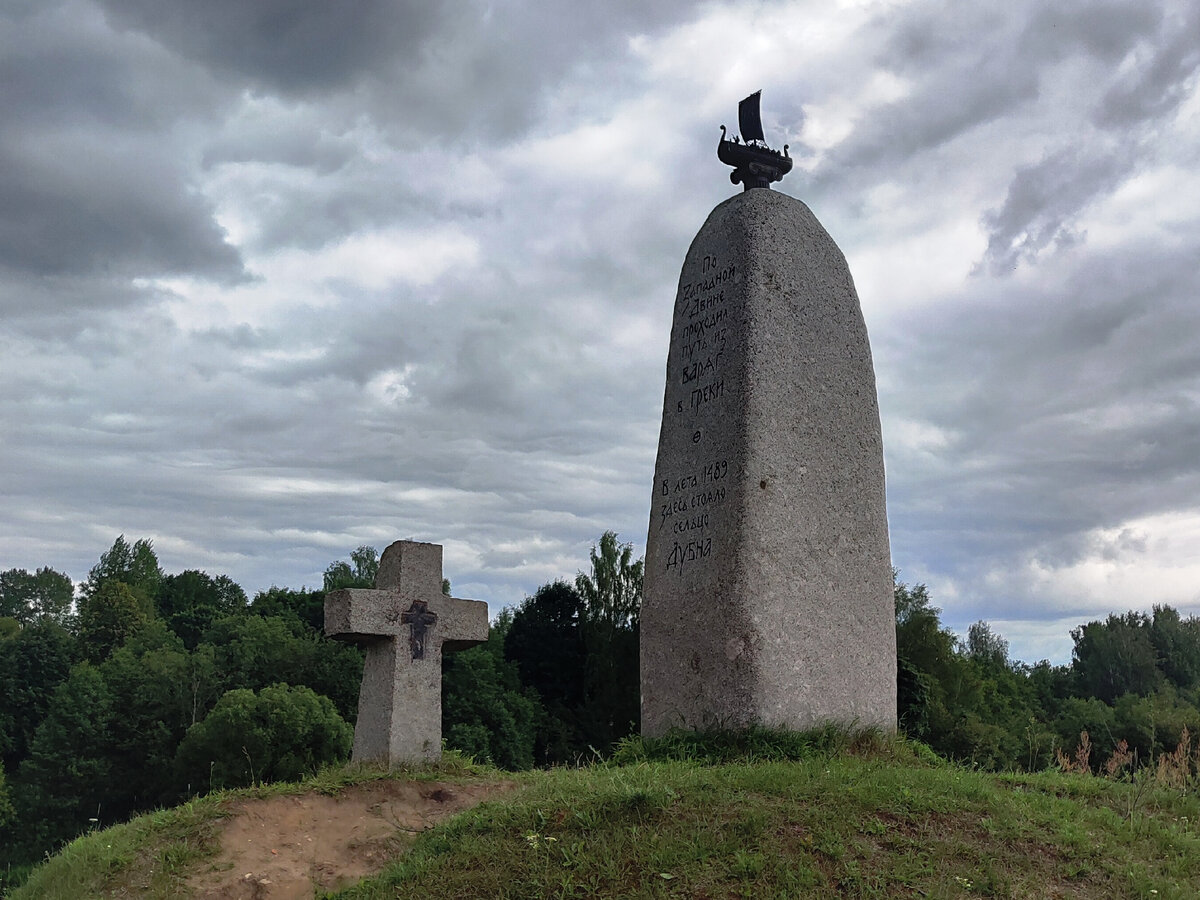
<point>404,624</point>
<point>768,581</point>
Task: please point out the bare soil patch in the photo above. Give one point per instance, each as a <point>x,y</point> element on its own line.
<point>284,848</point>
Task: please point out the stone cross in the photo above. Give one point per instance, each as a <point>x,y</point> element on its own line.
<point>404,624</point>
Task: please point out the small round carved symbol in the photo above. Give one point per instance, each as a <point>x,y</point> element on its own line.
<point>696,437</point>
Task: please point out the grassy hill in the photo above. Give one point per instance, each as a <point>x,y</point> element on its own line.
<point>751,816</point>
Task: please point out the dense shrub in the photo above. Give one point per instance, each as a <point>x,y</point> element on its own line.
<point>280,733</point>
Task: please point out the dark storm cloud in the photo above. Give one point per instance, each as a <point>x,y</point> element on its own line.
<point>76,206</point>
<point>306,148</point>
<point>57,308</point>
<point>281,44</point>
<point>91,179</point>
<point>436,69</point>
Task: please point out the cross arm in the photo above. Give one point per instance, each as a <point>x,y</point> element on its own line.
<point>464,623</point>
<point>354,614</point>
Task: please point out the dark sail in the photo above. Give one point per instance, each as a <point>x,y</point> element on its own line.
<point>750,119</point>
<point>754,163</point>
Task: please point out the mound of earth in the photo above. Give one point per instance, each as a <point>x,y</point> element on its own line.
<point>282,848</point>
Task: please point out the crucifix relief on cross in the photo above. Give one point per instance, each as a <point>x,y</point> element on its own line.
<point>420,620</point>
<point>404,624</point>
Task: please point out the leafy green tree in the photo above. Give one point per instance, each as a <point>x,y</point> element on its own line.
<point>134,565</point>
<point>33,664</point>
<point>108,616</point>
<point>964,699</point>
<point>927,663</point>
<point>485,711</point>
<point>191,601</point>
<point>43,594</point>
<point>1079,714</point>
<point>280,733</point>
<point>914,697</point>
<point>577,647</point>
<point>1177,646</point>
<point>1050,685</point>
<point>151,690</point>
<point>257,651</point>
<point>1115,657</point>
<point>1154,724</point>
<point>612,591</point>
<point>358,573</point>
<point>159,690</point>
<point>67,779</point>
<point>8,812</point>
<point>545,642</point>
<point>303,606</point>
<point>612,600</point>
<point>920,638</point>
<point>986,647</point>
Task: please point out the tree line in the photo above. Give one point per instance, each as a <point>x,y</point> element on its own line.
<point>141,689</point>
<point>1133,678</point>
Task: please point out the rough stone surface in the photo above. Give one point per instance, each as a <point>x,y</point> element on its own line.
<point>400,701</point>
<point>768,584</point>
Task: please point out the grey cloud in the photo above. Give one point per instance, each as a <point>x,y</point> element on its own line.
<point>974,64</point>
<point>55,309</point>
<point>533,371</point>
<point>311,148</point>
<point>77,206</point>
<point>334,204</point>
<point>1155,87</point>
<point>189,449</point>
<point>281,44</point>
<point>1045,198</point>
<point>60,64</point>
<point>1104,29</point>
<point>432,70</point>
<point>1068,409</point>
<point>91,176</point>
<point>955,87</point>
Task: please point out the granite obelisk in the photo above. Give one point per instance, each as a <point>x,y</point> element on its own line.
<point>768,581</point>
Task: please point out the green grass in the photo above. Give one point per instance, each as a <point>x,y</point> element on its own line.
<point>760,815</point>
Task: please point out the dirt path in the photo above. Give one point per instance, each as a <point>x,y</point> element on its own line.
<point>283,848</point>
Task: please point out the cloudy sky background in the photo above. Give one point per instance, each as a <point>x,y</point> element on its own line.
<point>278,279</point>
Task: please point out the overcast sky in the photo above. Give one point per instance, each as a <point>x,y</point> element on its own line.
<point>279,279</point>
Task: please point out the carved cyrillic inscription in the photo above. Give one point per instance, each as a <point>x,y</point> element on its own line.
<point>683,554</point>
<point>690,502</point>
<point>703,294</point>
